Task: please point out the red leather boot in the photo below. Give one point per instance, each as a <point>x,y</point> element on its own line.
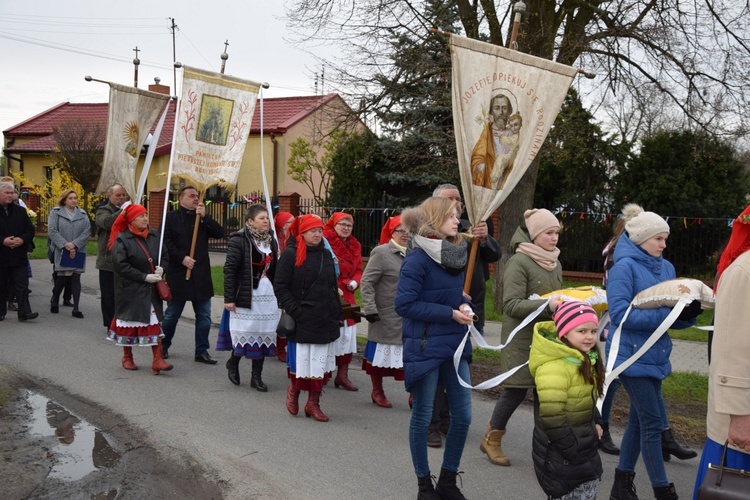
<point>281,349</point>
<point>342,379</point>
<point>159,364</point>
<point>292,400</point>
<point>127,359</point>
<point>312,408</point>
<point>378,396</point>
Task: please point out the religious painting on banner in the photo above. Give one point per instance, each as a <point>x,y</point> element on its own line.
<point>504,104</point>
<point>213,125</point>
<point>132,114</point>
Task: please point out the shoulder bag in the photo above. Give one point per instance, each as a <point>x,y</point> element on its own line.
<point>723,483</point>
<point>162,289</point>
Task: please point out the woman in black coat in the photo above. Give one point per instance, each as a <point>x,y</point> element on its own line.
<point>251,312</point>
<point>138,308</point>
<point>306,287</point>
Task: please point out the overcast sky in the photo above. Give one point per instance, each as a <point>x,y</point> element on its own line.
<point>48,46</point>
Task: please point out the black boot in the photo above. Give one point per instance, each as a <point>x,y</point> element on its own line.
<point>666,492</point>
<point>426,490</point>
<point>446,486</point>
<point>255,381</point>
<point>623,489</point>
<point>671,447</point>
<point>606,444</point>
<point>233,369</point>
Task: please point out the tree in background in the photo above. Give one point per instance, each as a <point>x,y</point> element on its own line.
<point>312,164</point>
<point>79,153</point>
<point>577,162</point>
<point>354,165</point>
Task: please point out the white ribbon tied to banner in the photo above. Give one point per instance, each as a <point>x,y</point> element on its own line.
<point>499,379</point>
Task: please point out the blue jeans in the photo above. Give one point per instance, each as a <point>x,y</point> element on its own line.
<point>202,309</point>
<point>459,402</point>
<point>609,399</point>
<point>643,432</point>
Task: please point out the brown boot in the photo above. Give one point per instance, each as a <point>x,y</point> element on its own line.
<point>342,379</point>
<point>492,446</point>
<point>159,364</point>
<point>292,400</point>
<point>127,359</point>
<point>378,396</point>
<point>312,408</point>
<point>281,349</point>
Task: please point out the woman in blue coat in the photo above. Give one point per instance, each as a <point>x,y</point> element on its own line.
<point>436,314</point>
<point>639,265</point>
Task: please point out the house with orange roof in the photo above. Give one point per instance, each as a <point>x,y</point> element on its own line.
<point>28,146</point>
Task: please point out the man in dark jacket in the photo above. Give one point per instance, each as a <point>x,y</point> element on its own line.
<point>105,217</point>
<point>178,236</point>
<point>488,251</point>
<point>16,232</point>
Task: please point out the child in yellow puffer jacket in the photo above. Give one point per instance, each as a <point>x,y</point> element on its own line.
<point>569,376</point>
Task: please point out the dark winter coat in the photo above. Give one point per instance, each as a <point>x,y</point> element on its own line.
<point>244,268</point>
<point>178,235</point>
<point>309,294</point>
<point>105,217</point>
<point>522,278</point>
<point>426,296</point>
<point>133,296</point>
<point>634,271</point>
<point>15,223</point>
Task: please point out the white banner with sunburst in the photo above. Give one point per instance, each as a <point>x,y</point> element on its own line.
<point>212,127</point>
<point>504,104</point>
<point>132,114</point>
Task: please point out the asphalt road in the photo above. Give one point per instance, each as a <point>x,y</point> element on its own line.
<point>247,439</point>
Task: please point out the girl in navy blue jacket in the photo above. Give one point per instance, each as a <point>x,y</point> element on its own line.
<point>436,313</point>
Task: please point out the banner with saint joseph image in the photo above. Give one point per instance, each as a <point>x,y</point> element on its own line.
<point>212,129</point>
<point>504,104</point>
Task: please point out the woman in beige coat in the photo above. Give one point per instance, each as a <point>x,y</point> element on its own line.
<point>383,352</point>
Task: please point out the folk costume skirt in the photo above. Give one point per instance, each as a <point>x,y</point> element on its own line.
<point>134,333</point>
<point>383,360</point>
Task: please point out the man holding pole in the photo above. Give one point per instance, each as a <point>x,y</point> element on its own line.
<point>189,269</point>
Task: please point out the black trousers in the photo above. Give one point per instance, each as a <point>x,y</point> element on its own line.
<point>107,290</point>
<point>18,279</point>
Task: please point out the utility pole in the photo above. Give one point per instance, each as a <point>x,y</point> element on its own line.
<point>174,29</point>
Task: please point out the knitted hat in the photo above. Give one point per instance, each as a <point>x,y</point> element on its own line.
<point>127,216</point>
<point>645,225</point>
<point>571,314</point>
<point>302,225</point>
<point>387,232</point>
<point>538,220</point>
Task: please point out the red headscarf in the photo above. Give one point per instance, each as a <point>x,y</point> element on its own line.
<point>301,225</point>
<point>278,223</point>
<point>336,218</point>
<point>739,243</point>
<point>387,232</point>
<point>126,217</point>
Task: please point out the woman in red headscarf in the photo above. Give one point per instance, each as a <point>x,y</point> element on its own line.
<point>305,286</point>
<point>728,416</point>
<point>281,223</point>
<point>383,352</point>
<point>348,252</point>
<point>138,308</point>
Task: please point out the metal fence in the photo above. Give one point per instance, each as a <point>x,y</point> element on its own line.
<point>231,215</point>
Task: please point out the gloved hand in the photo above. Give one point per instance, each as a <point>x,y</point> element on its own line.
<point>152,278</point>
<point>691,311</point>
<point>159,270</point>
<point>372,318</point>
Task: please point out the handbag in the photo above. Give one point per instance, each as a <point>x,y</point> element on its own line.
<point>724,483</point>
<point>162,289</point>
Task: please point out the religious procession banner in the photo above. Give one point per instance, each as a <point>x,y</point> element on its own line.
<point>213,125</point>
<point>504,104</point>
<point>132,114</point>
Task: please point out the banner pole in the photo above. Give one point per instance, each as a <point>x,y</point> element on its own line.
<point>195,236</point>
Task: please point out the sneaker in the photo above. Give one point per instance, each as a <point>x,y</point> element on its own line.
<point>434,440</point>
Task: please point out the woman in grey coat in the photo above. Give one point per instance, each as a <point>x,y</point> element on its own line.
<point>383,352</point>
<point>68,230</point>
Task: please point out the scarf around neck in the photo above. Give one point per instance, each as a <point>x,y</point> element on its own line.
<point>451,257</point>
<point>547,260</point>
<point>259,236</point>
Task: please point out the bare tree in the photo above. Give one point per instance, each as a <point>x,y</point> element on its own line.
<point>693,52</point>
<point>80,152</point>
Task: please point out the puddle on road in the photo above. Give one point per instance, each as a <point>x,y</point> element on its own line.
<point>81,448</point>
